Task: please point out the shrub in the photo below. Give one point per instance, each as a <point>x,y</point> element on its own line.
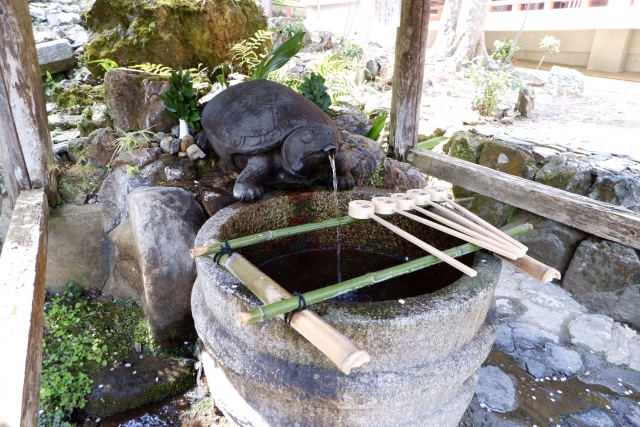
<point>313,89</point>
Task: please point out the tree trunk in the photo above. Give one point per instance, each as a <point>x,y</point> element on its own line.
<point>462,35</point>
<point>25,130</point>
<point>408,76</point>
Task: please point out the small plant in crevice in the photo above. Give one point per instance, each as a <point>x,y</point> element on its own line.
<point>51,88</point>
<point>180,99</point>
<point>289,29</point>
<point>351,51</point>
<point>313,89</point>
<point>490,86</point>
<point>376,179</point>
<point>130,141</point>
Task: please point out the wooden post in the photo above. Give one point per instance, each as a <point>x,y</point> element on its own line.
<point>27,153</point>
<point>23,266</point>
<point>411,45</point>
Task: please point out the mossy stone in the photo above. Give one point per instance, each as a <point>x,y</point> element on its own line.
<point>465,146</point>
<point>170,32</point>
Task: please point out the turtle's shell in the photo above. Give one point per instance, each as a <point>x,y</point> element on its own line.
<point>255,117</point>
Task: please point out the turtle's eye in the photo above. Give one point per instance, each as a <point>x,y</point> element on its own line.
<point>307,135</point>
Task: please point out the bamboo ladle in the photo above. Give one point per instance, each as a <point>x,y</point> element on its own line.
<point>439,194</point>
<point>362,209</point>
<point>407,202</point>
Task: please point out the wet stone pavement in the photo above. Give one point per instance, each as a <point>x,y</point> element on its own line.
<point>554,363</point>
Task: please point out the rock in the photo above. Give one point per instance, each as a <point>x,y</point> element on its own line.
<point>155,32</point>
<point>605,277</point>
<point>156,378</point>
<point>465,146</point>
<point>359,142</point>
<point>595,417</point>
<point>194,152</point>
<point>76,247</point>
<point>320,41</point>
<point>214,199</point>
<point>132,99</point>
<point>526,101</point>
<point>186,142</point>
<point>401,176</point>
<point>496,390</point>
<point>621,190</point>
<point>180,170</point>
<point>63,121</point>
<point>566,174</point>
<point>166,143</point>
<point>353,121</point>
<point>372,69</point>
<point>97,149</point>
<point>507,120</point>
<point>544,154</point>
<point>80,199</point>
<point>76,35</point>
<point>139,157</point>
<point>564,360</point>
<point>549,242</point>
<point>529,337</point>
<point>55,56</point>
<point>164,223</point>
<point>507,158</point>
<point>175,146</point>
<point>600,333</point>
<point>564,82</point>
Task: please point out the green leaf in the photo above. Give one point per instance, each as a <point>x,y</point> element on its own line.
<point>433,142</point>
<point>277,58</point>
<point>378,126</point>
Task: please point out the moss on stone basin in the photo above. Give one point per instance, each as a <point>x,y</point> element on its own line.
<point>425,350</point>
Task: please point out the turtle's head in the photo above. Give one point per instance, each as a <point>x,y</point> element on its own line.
<point>305,152</point>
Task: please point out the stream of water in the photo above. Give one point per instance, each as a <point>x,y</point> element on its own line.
<point>332,159</point>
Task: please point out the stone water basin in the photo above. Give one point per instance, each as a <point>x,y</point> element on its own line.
<point>426,342</point>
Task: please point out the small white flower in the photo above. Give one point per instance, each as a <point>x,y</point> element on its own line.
<point>41,411</point>
<point>101,385</point>
<point>607,406</point>
<point>111,369</point>
<point>483,260</point>
<point>555,378</point>
<point>401,301</point>
<point>534,398</point>
<point>115,353</point>
<point>588,391</point>
<point>186,343</point>
<point>157,379</point>
<point>98,420</point>
<point>141,357</point>
<point>127,365</point>
<point>550,394</point>
<point>135,372</point>
<point>559,391</point>
<point>553,400</point>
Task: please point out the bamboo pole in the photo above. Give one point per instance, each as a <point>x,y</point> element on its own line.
<point>214,247</point>
<point>338,348</point>
<point>534,268</point>
<point>286,305</point>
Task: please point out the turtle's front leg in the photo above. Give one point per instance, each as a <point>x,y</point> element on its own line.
<point>248,187</point>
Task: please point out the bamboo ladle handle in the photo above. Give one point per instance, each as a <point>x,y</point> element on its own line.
<point>362,209</point>
<point>534,268</point>
<point>406,201</point>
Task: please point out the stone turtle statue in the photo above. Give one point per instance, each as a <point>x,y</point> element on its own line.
<point>272,135</point>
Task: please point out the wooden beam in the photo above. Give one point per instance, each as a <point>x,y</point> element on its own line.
<point>24,98</point>
<point>592,216</point>
<point>23,266</point>
<point>408,76</point>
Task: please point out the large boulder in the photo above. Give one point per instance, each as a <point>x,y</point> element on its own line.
<point>164,223</point>
<point>564,82</point>
<point>170,33</point>
<point>133,102</point>
<point>55,56</point>
<point>565,173</point>
<point>605,277</point>
<point>549,242</point>
<point>622,190</point>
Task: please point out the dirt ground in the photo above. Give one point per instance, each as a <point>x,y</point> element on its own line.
<point>606,118</point>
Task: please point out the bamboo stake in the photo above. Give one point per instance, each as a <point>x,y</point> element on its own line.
<point>387,205</point>
<point>338,348</point>
<point>214,247</point>
<point>328,292</point>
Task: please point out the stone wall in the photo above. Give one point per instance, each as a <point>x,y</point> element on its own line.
<point>602,275</point>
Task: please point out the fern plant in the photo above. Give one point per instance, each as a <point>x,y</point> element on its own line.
<point>335,70</point>
<point>249,52</point>
<point>180,99</point>
<point>313,89</point>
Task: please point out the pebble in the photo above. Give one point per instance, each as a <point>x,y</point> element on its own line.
<point>127,365</point>
<point>111,369</point>
<point>101,385</point>
<point>135,372</point>
<point>401,301</point>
